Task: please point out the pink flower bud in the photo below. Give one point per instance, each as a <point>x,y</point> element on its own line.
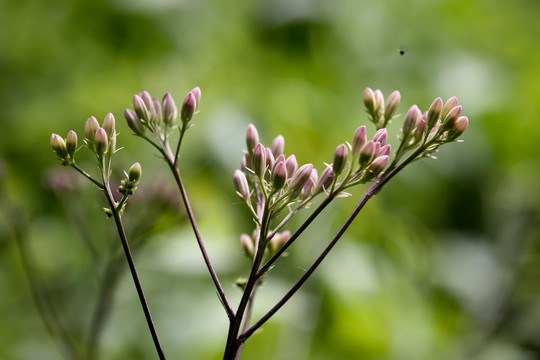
<point>170,111</point>
<point>340,159</point>
<point>369,100</point>
<point>300,177</point>
<point>158,116</point>
<point>449,105</point>
<point>380,136</point>
<point>71,143</point>
<point>101,141</point>
<point>90,128</point>
<point>189,106</point>
<point>196,91</point>
<point>134,122</point>
<point>367,153</point>
<point>452,116</point>
<point>280,158</point>
<point>59,146</point>
<point>326,179</point>
<point>270,161</point>
<point>384,150</point>
<point>392,104</point>
<point>241,184</point>
<point>411,119</point>
<point>140,108</point>
<point>259,160</point>
<point>292,165</point>
<point>279,176</point>
<point>278,145</point>
<point>458,127</point>
<point>247,244</point>
<point>359,140</point>
<point>434,112</point>
<point>379,101</point>
<point>252,137</point>
<point>377,166</point>
<point>307,190</point>
<point>109,124</point>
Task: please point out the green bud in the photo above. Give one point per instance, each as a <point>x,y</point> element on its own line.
<point>340,159</point>
<point>135,172</point>
<point>452,116</point>
<point>411,119</point>
<point>108,125</point>
<point>71,143</point>
<point>369,100</point>
<point>189,105</point>
<point>59,146</point>
<point>101,141</point>
<point>458,127</point>
<point>90,128</point>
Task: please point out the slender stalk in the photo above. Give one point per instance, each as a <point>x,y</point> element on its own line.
<point>131,263</point>
<point>88,176</point>
<point>217,284</point>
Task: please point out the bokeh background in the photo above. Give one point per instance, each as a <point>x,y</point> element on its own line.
<point>442,264</point>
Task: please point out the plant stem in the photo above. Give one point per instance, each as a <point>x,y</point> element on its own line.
<point>217,284</point>
<point>131,263</point>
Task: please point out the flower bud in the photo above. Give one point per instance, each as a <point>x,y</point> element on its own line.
<point>140,108</point>
<point>280,158</point>
<point>259,160</point>
<point>158,116</point>
<point>252,137</point>
<point>434,112</point>
<point>189,105</point>
<point>292,165</point>
<point>270,161</point>
<point>359,140</point>
<point>369,100</point>
<point>300,177</point>
<point>108,125</point>
<point>170,111</point>
<point>134,122</point>
<point>367,153</point>
<point>196,91</point>
<point>278,145</point>
<point>279,176</point>
<point>452,116</point>
<point>278,241</point>
<point>326,179</point>
<point>380,136</point>
<point>307,190</point>
<point>458,127</point>
<point>247,244</point>
<point>384,150</point>
<point>411,119</point>
<point>90,128</point>
<point>392,104</point>
<point>241,184</point>
<point>379,101</point>
<point>377,166</point>
<point>135,172</point>
<point>101,141</point>
<point>59,146</point>
<point>420,130</point>
<point>71,143</point>
<point>340,159</point>
<point>148,102</point>
<point>449,105</point>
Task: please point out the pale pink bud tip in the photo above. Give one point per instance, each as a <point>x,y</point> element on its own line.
<point>259,160</point>
<point>380,136</point>
<point>252,137</point>
<point>449,105</point>
<point>278,145</point>
<point>241,184</point>
<point>434,112</point>
<point>90,128</point>
<point>300,177</point>
<point>134,122</point>
<point>458,127</point>
<point>197,93</point>
<point>369,99</point>
<point>109,124</point>
<point>292,165</point>
<point>411,119</point>
<point>189,106</point>
<point>170,111</point>
<point>378,164</point>
<point>59,146</point>
<point>340,159</point>
<point>367,153</point>
<point>140,108</point>
<point>101,141</point>
<point>71,143</point>
<point>359,140</point>
<point>392,104</point>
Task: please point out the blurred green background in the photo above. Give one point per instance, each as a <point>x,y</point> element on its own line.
<point>443,264</point>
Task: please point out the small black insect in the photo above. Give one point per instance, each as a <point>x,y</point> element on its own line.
<point>402,52</point>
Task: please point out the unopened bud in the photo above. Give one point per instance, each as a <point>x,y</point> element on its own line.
<point>326,179</point>
<point>101,141</point>
<point>452,116</point>
<point>369,100</point>
<point>241,184</point>
<point>108,125</point>
<point>391,105</point>
<point>411,119</point>
<point>300,177</point>
<point>140,108</point>
<point>259,160</point>
<point>148,102</point>
<point>158,115</point>
<point>384,150</point>
<point>309,186</point>
<point>170,111</point>
<point>377,166</point>
<point>270,160</point>
<point>434,112</point>
<point>189,105</point>
<point>379,101</point>
<point>247,244</point>
<point>278,145</point>
<point>134,122</point>
<point>71,143</point>
<point>459,126</point>
<point>278,241</point>
<point>252,137</point>
<point>90,128</point>
<point>359,140</point>
<point>380,136</point>
<point>135,172</point>
<point>196,91</point>
<point>340,159</point>
<point>449,105</point>
<point>59,146</point>
<point>279,176</point>
<point>367,153</point>
<point>292,165</point>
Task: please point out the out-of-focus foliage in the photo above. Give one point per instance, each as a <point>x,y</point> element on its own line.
<point>443,264</point>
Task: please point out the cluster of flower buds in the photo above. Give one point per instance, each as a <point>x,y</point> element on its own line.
<point>379,112</point>
<point>101,140</point>
<point>158,117</point>
<point>129,184</point>
<point>65,148</point>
